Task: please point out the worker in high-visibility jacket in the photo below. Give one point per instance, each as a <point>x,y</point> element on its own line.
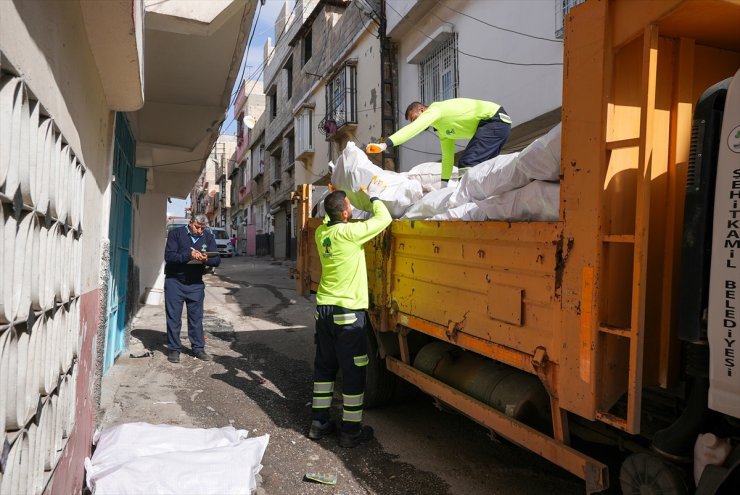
<point>341,316</point>
<point>484,123</point>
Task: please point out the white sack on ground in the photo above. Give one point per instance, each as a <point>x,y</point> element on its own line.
<point>429,175</point>
<point>538,161</point>
<point>222,470</point>
<point>353,170</point>
<point>431,204</point>
<point>124,442</point>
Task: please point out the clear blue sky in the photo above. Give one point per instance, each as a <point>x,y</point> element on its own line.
<point>251,68</point>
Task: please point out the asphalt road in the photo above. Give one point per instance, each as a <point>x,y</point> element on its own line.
<point>419,449</point>
<point>261,336</point>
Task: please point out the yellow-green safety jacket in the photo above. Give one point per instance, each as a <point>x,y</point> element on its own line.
<point>453,119</point>
<point>343,271</point>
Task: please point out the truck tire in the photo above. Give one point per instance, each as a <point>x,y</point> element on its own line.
<point>380,384</point>
<point>646,474</point>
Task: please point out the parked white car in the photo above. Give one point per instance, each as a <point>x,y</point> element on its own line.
<point>223,241</point>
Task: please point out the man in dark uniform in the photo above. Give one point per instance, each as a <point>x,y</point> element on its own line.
<point>341,316</point>
<point>186,256</point>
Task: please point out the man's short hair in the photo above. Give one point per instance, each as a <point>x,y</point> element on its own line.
<point>200,219</point>
<point>334,205</point>
<point>415,105</point>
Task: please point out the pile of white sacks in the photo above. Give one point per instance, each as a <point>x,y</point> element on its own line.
<point>516,187</point>
<point>141,458</point>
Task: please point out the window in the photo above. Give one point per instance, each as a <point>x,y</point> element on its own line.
<point>276,170</point>
<point>290,138</point>
<point>303,138</point>
<point>288,68</point>
<point>307,46</point>
<point>562,7</point>
<point>272,95</point>
<point>341,97</point>
<point>258,167</point>
<point>438,75</point>
<point>240,130</point>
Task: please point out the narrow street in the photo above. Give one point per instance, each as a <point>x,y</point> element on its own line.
<point>261,337</point>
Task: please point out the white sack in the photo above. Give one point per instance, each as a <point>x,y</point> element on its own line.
<point>124,442</point>
<point>538,201</point>
<point>429,175</point>
<point>469,212</point>
<point>541,159</point>
<point>353,169</point>
<point>538,161</point>
<point>431,204</point>
<point>489,178</point>
<point>223,470</point>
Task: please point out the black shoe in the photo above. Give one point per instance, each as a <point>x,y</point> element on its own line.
<point>350,440</point>
<point>202,355</point>
<point>320,429</point>
<point>173,356</point>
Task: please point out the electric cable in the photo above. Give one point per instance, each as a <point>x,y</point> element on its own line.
<point>506,62</point>
<point>496,27</point>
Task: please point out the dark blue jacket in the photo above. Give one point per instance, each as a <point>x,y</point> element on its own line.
<point>177,254</point>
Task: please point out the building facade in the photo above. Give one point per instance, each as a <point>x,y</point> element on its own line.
<point>322,86</point>
<point>249,106</point>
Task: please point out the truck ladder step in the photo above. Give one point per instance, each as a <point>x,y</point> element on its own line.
<point>619,332</point>
<point>623,143</point>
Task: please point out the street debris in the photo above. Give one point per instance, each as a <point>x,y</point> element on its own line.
<point>323,478</point>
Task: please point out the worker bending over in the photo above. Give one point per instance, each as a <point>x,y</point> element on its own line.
<point>485,123</point>
<point>341,316</point>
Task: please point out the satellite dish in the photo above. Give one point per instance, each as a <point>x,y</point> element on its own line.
<point>249,121</point>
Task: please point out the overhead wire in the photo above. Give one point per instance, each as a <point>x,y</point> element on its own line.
<point>246,55</point>
<point>506,62</point>
<point>497,27</point>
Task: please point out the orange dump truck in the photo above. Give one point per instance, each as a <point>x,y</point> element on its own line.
<point>614,323</point>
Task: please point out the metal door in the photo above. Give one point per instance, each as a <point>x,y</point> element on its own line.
<point>120,235</point>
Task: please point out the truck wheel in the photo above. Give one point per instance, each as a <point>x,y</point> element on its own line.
<point>380,384</point>
<point>646,474</point>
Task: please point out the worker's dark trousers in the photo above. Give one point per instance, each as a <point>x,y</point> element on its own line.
<point>341,344</point>
<point>175,294</point>
<point>487,141</point>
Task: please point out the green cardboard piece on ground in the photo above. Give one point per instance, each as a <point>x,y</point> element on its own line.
<point>323,478</point>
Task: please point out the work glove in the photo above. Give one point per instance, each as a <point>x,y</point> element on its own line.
<point>375,148</point>
<point>374,188</point>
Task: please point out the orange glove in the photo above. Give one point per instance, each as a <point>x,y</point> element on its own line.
<point>376,148</point>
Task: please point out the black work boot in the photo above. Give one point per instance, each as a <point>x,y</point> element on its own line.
<point>173,356</point>
<point>320,429</point>
<point>349,440</point>
<point>202,355</point>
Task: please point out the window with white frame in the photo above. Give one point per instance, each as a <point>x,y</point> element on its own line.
<point>341,96</point>
<point>303,126</point>
<point>562,7</point>
<point>438,72</point>
<point>258,163</point>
